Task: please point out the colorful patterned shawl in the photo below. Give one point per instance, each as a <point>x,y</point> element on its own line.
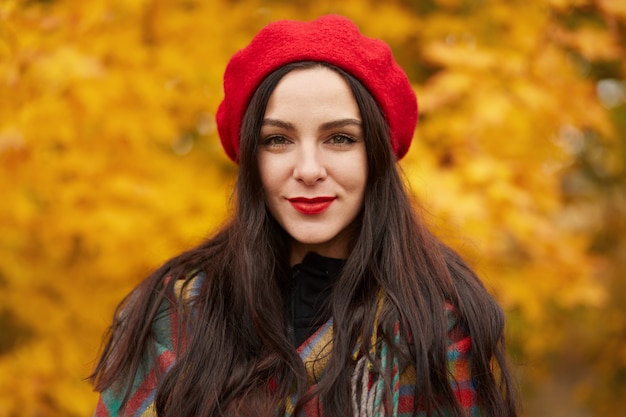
<point>312,352</point>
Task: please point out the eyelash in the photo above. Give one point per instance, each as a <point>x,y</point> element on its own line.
<point>345,139</point>
<point>275,140</point>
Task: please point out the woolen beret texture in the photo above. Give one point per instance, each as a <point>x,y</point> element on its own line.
<point>332,39</point>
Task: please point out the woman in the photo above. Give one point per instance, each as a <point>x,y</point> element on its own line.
<point>325,294</point>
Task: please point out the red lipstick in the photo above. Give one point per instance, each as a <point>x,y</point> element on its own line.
<point>311,206</point>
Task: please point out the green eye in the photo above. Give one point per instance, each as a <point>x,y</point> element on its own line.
<point>275,140</point>
<point>341,139</point>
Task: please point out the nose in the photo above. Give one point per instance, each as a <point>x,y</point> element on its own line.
<point>309,166</point>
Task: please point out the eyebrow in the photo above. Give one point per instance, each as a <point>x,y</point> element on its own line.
<point>278,123</point>
<point>340,123</point>
<point>334,124</point>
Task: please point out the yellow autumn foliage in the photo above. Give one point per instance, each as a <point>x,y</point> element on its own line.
<point>110,163</point>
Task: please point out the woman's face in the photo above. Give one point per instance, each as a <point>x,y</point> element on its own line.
<point>312,161</point>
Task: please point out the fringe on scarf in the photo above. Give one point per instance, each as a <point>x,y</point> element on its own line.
<point>367,387</point>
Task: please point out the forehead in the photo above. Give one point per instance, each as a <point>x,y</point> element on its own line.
<point>317,89</point>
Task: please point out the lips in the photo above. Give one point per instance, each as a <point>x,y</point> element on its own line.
<point>311,206</point>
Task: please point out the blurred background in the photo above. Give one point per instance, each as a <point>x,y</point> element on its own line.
<point>110,163</point>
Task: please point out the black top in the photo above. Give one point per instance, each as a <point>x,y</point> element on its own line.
<point>308,294</point>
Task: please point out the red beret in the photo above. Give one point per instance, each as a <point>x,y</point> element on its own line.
<point>332,39</point>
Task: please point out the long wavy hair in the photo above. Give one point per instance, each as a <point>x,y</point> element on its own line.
<point>234,357</point>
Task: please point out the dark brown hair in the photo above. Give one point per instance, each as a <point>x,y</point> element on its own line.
<point>236,346</point>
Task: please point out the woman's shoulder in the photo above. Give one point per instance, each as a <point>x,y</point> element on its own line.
<point>179,298</point>
<point>456,330</point>
<point>187,288</point>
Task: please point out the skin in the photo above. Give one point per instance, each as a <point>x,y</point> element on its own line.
<point>312,161</point>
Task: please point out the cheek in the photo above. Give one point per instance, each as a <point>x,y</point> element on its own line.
<point>264,168</point>
<point>271,184</point>
<point>274,171</point>
<point>354,174</point>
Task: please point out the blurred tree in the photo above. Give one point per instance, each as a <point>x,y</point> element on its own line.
<point>110,163</point>
<point>594,188</point>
